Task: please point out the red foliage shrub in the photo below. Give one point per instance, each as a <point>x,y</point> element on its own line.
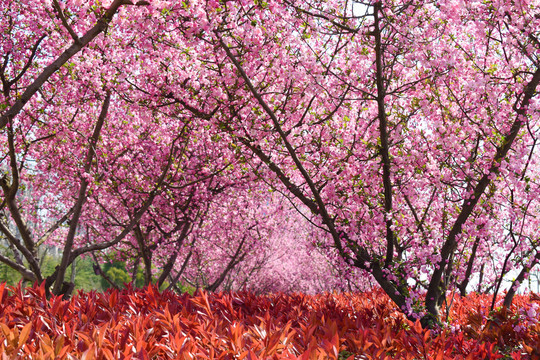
<point>147,324</point>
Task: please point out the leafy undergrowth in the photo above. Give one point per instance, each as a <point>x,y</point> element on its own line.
<point>146,324</point>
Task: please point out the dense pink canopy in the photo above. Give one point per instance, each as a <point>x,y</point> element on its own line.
<point>401,133</point>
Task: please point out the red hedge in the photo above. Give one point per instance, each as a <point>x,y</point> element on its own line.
<point>146,324</point>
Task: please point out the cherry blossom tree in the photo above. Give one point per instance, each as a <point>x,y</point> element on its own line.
<point>254,240</point>
<point>408,129</point>
<point>64,148</point>
<point>100,154</point>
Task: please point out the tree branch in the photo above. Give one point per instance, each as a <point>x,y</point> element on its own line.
<point>99,27</point>
<point>318,200</point>
<point>81,198</point>
<point>235,259</point>
<point>450,244</point>
<point>25,273</point>
<point>65,23</point>
<point>383,131</point>
<point>53,228</point>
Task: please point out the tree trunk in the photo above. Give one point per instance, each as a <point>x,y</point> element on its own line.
<point>509,297</point>
<point>463,286</point>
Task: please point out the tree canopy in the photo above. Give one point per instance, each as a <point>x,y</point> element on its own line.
<point>277,145</point>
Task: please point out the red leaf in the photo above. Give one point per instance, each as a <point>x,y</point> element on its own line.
<point>252,356</point>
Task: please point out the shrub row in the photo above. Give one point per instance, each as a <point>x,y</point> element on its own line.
<point>147,324</point>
